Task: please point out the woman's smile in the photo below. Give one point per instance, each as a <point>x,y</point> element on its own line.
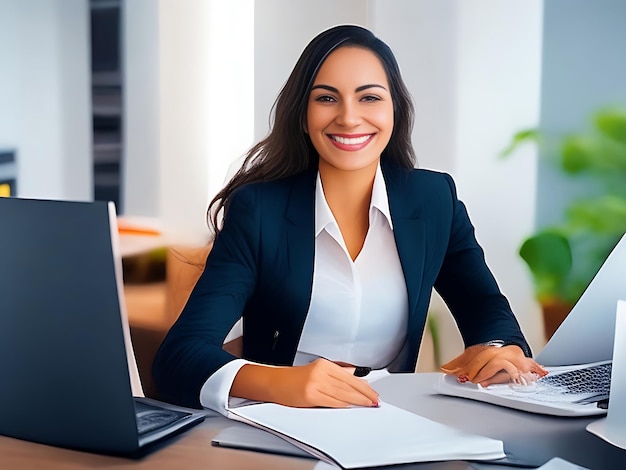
<point>349,142</point>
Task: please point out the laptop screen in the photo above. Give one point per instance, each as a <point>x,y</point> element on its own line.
<point>63,359</point>
<point>586,335</point>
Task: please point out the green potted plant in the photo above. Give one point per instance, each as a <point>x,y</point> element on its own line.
<point>564,257</point>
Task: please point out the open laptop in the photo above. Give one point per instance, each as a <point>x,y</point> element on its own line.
<point>581,349</point>
<point>612,428</point>
<point>67,368</point>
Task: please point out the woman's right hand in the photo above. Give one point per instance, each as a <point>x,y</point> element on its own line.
<point>321,383</point>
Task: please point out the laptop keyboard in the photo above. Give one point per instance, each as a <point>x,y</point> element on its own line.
<point>594,380</point>
<point>151,418</point>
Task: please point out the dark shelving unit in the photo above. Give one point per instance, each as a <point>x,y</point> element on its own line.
<point>107,99</point>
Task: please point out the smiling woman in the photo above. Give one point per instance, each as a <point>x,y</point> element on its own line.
<point>330,246</point>
<point>349,122</point>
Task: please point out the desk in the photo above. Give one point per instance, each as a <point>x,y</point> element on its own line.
<point>524,434</point>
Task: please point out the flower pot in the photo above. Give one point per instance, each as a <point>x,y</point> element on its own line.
<point>554,312</point>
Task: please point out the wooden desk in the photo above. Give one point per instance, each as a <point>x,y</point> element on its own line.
<point>533,437</point>
<point>188,451</point>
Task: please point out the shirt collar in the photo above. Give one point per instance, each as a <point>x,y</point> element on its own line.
<point>380,202</point>
<point>380,199</point>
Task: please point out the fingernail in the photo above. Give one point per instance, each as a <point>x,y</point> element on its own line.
<point>462,378</point>
<point>375,404</point>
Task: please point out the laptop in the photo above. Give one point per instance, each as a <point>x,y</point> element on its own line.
<point>612,428</point>
<point>578,356</point>
<point>67,367</point>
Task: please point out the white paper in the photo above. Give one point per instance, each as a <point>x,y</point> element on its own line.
<point>362,437</point>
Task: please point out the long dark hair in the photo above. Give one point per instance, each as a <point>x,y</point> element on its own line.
<point>287,149</point>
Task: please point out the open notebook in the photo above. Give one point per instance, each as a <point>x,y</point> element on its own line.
<point>359,437</point>
<point>579,354</point>
<point>67,367</point>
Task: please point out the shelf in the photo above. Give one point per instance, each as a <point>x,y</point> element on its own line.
<point>106,102</point>
<point>107,99</point>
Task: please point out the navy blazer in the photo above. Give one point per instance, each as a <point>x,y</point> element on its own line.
<point>261,268</point>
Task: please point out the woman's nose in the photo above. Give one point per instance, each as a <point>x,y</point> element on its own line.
<point>348,115</point>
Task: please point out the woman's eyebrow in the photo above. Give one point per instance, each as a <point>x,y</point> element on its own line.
<point>371,85</point>
<point>358,89</point>
<point>325,87</point>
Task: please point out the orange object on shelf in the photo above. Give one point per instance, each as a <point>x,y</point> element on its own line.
<point>127,228</point>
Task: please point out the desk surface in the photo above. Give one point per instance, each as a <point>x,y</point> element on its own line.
<point>529,436</point>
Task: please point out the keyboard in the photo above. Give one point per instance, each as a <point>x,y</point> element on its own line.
<point>593,381</point>
<point>152,418</point>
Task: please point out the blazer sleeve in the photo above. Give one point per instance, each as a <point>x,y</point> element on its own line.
<point>470,290</point>
<point>192,350</point>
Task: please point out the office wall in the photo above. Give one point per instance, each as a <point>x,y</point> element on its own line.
<point>188,106</point>
<point>583,69</point>
<point>45,96</point>
<point>498,83</point>
<point>141,167</point>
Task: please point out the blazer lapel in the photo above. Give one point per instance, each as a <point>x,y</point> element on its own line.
<point>409,232</point>
<point>300,240</point>
<point>300,215</point>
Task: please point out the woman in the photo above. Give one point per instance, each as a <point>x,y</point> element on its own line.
<point>330,246</point>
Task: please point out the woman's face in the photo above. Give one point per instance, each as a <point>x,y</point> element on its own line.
<point>350,112</point>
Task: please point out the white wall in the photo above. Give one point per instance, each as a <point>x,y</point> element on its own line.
<point>45,95</point>
<point>189,106</point>
<point>499,90</point>
<point>9,80</point>
<point>583,72</point>
<point>141,169</point>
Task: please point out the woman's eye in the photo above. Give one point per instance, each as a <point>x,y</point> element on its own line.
<point>370,98</point>
<point>325,99</point>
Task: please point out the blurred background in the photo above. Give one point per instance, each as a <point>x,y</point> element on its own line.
<point>150,103</point>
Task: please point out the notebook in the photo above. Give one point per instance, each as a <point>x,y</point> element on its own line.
<point>612,428</point>
<point>583,341</point>
<point>359,437</point>
<point>67,368</point>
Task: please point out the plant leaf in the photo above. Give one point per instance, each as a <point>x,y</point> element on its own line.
<point>612,123</point>
<point>606,214</point>
<point>592,153</point>
<point>549,256</point>
<point>523,136</point>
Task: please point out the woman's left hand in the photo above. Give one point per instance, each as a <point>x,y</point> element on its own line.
<point>486,365</point>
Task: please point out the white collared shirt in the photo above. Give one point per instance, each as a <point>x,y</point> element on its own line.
<point>359,309</point>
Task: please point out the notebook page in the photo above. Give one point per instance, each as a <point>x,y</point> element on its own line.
<point>359,436</point>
